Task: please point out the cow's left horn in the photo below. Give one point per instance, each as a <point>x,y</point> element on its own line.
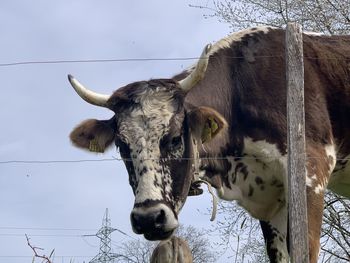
<point>198,73</point>
<point>88,95</point>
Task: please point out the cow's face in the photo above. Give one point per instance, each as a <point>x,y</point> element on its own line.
<point>154,141</point>
<point>155,134</point>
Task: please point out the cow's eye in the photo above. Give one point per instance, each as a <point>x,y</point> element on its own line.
<point>176,141</point>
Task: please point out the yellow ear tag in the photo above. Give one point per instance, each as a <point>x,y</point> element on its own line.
<point>95,147</point>
<point>213,125</point>
<point>209,129</point>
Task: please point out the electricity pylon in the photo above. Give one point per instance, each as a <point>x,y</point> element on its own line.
<point>104,234</point>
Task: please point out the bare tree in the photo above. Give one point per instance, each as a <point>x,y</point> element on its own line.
<point>335,241</point>
<point>326,16</point>
<point>42,257</point>
<point>140,251</point>
<point>198,242</point>
<point>135,251</point>
<point>240,234</point>
<point>236,227</point>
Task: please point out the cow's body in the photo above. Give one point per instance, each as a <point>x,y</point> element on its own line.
<point>251,94</point>
<point>244,91</point>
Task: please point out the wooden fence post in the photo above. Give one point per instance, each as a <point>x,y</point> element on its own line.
<point>298,234</point>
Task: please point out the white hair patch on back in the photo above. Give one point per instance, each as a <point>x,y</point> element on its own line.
<point>236,37</point>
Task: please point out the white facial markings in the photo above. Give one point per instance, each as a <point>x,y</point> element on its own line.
<point>142,129</point>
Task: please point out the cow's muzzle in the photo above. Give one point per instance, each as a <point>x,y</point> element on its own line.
<point>155,223</point>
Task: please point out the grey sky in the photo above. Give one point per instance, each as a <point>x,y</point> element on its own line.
<point>38,109</point>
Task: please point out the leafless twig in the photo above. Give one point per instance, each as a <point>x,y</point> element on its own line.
<point>46,259</point>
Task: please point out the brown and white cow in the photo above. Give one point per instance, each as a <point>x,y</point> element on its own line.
<point>224,121</point>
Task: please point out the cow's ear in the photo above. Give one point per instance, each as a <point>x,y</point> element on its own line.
<point>94,135</point>
<point>206,123</point>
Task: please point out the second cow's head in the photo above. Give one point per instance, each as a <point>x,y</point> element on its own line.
<point>156,133</point>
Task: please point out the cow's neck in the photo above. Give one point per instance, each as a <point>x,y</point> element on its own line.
<point>249,170</point>
<point>254,179</point>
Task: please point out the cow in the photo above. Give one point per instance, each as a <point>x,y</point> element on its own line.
<point>173,250</point>
<point>223,121</point>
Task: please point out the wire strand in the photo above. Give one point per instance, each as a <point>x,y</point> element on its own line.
<point>38,235</point>
<point>18,63</point>
<point>31,256</point>
<point>56,161</point>
<point>46,228</point>
<point>38,62</point>
<point>151,159</point>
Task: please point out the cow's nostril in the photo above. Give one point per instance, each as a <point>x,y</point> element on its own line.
<point>160,219</point>
<point>135,219</point>
<point>155,223</point>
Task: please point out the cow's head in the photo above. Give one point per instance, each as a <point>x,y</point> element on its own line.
<point>155,133</point>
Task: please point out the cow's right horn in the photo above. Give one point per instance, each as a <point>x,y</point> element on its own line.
<point>198,73</point>
<point>88,95</point>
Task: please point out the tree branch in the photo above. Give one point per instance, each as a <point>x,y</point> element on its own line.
<point>36,255</point>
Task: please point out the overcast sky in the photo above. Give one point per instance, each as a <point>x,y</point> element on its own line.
<point>38,109</point>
